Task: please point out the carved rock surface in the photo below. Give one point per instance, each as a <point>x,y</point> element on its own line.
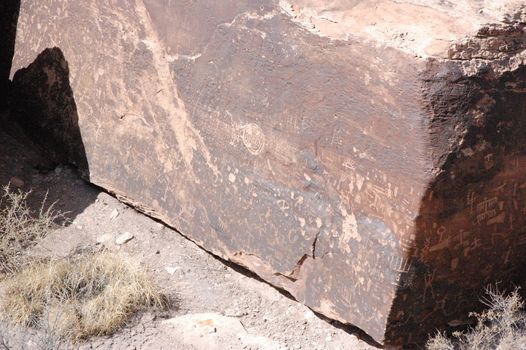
<point>366,156</point>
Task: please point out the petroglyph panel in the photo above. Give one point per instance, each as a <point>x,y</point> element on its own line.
<point>377,180</point>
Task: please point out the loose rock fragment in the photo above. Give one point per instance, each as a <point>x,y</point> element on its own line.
<point>124,238</point>
<point>171,270</point>
<point>114,214</point>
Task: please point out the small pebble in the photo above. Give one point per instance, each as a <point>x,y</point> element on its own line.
<point>124,238</point>
<point>171,270</point>
<point>114,214</point>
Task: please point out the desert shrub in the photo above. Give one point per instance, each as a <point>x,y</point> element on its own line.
<point>80,296</point>
<point>21,228</point>
<point>502,326</point>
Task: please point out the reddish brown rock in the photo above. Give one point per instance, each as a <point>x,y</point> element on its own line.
<point>367,156</point>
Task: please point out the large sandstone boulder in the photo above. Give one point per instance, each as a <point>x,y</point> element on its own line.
<point>366,156</point>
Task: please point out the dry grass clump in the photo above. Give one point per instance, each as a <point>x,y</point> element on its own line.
<point>20,227</point>
<point>85,295</point>
<point>501,327</point>
<point>89,293</point>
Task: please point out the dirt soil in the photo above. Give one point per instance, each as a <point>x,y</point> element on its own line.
<point>217,305</point>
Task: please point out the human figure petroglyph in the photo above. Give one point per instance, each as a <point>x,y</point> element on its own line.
<point>429,278</point>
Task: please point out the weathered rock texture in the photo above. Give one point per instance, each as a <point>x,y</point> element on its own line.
<point>366,156</point>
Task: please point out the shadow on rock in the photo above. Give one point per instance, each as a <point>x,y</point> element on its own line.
<point>42,148</point>
<point>44,106</point>
<point>9,11</point>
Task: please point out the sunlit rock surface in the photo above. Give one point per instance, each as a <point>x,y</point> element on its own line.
<point>366,156</point>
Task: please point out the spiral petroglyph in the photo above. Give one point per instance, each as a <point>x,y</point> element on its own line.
<point>253,138</point>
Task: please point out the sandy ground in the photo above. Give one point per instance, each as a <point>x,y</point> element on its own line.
<point>218,306</point>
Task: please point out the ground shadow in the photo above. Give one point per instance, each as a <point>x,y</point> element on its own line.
<point>24,166</point>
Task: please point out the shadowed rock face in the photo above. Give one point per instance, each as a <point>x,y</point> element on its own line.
<point>45,108</point>
<point>8,19</point>
<point>379,181</point>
